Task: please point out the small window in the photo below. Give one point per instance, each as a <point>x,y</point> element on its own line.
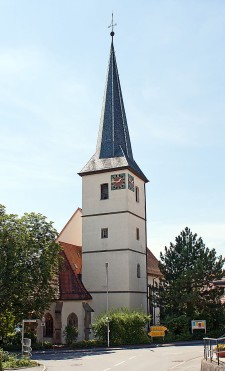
<point>137,194</point>
<point>72,320</point>
<point>138,271</point>
<point>137,234</point>
<point>104,191</point>
<point>104,233</point>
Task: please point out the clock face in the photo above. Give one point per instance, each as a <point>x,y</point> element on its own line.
<point>118,181</point>
<point>131,182</point>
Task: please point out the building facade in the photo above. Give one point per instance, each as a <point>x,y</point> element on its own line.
<point>112,226</point>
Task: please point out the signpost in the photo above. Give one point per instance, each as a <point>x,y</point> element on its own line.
<point>198,325</point>
<point>26,343</point>
<point>157,331</point>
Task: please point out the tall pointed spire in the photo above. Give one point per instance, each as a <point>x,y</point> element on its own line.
<point>113,138</point>
<point>113,149</point>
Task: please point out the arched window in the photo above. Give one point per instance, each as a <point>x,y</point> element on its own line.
<point>72,320</point>
<point>48,329</point>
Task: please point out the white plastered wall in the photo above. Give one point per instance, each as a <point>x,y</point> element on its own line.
<point>72,232</point>
<point>122,215</point>
<point>73,306</point>
<point>119,200</point>
<point>153,280</point>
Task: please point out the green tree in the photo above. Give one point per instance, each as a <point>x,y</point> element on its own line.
<point>29,262</point>
<point>126,326</point>
<point>189,267</point>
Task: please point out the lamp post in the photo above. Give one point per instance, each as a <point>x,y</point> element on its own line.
<point>107,300</point>
<point>42,326</point>
<point>153,299</point>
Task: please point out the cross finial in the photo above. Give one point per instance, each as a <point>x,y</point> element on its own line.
<point>112,25</point>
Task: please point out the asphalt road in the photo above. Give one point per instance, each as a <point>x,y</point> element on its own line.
<point>142,359</point>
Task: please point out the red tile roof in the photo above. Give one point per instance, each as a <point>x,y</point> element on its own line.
<point>153,265</point>
<point>70,285</point>
<point>74,256</point>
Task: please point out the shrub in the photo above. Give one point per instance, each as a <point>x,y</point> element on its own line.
<point>180,330</point>
<point>16,337</point>
<point>219,348</point>
<point>71,334</point>
<point>1,355</point>
<point>126,327</point>
<point>14,362</point>
<point>8,360</point>
<point>178,325</point>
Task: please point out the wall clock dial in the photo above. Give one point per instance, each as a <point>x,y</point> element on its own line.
<point>118,181</point>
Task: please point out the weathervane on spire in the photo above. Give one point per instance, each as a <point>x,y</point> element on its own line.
<point>112,25</point>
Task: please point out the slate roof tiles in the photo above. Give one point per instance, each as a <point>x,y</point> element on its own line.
<point>113,149</point>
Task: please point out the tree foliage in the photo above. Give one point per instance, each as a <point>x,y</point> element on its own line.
<point>189,267</point>
<point>126,326</point>
<point>29,261</point>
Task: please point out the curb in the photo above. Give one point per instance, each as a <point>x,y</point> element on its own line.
<point>178,343</point>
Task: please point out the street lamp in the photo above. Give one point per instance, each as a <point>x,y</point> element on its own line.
<point>42,326</point>
<point>107,300</point>
<point>153,299</point>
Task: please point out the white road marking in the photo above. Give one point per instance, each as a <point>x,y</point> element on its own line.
<point>119,363</point>
<point>107,369</point>
<point>133,357</point>
<point>181,363</point>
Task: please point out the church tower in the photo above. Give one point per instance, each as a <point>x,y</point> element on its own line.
<point>114,210</point>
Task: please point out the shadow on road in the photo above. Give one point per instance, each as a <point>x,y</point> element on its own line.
<point>60,355</point>
<point>78,354</point>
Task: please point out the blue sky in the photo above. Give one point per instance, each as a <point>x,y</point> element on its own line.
<point>171,58</point>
